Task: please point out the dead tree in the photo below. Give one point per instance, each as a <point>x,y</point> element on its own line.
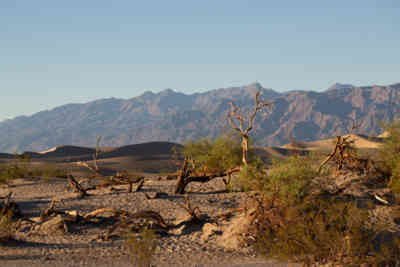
<point>343,152</point>
<point>117,179</point>
<point>95,168</point>
<point>244,132</point>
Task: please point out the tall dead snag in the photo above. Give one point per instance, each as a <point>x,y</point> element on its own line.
<point>244,132</point>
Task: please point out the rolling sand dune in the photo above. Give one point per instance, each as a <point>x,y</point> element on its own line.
<point>145,149</point>
<point>360,141</point>
<point>67,151</point>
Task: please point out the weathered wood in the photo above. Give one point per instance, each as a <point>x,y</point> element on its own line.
<point>49,211</point>
<point>77,186</point>
<point>103,210</point>
<point>192,211</point>
<point>244,132</point>
<point>55,224</point>
<point>185,178</point>
<point>94,169</point>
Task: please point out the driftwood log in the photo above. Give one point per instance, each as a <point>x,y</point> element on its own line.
<point>114,180</point>
<point>77,187</point>
<point>186,177</point>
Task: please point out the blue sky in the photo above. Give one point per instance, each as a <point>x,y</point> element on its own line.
<point>54,52</point>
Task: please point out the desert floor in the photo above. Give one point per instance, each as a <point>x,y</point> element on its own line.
<point>82,245</point>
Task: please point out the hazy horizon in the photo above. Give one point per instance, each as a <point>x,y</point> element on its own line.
<point>54,53</point>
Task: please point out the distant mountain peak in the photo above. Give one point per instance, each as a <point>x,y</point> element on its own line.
<point>336,86</point>
<point>174,116</point>
<point>254,86</point>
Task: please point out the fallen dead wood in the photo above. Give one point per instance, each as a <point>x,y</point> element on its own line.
<point>153,195</point>
<point>191,211</point>
<point>102,211</point>
<point>77,187</point>
<point>118,180</point>
<point>185,178</point>
<point>136,221</point>
<point>138,186</point>
<point>113,181</point>
<point>91,168</point>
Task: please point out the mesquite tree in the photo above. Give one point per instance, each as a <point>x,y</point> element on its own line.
<point>244,132</point>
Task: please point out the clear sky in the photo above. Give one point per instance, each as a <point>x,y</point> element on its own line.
<point>54,52</point>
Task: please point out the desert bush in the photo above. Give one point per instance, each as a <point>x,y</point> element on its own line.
<point>321,230</point>
<point>389,156</point>
<point>22,169</point>
<point>142,246</point>
<point>47,171</point>
<point>296,221</point>
<point>251,177</point>
<point>11,171</point>
<point>217,155</point>
<point>288,178</point>
<point>7,228</point>
<point>390,149</point>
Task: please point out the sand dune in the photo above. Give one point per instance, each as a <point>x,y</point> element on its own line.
<point>67,151</point>
<point>144,149</point>
<point>360,141</point>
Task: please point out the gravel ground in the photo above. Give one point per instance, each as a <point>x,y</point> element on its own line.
<point>81,246</point>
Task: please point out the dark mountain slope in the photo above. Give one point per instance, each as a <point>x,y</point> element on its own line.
<point>176,117</point>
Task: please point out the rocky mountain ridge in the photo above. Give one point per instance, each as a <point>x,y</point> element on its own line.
<point>176,117</point>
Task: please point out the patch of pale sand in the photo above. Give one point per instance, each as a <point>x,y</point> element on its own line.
<point>82,246</point>
<point>49,150</point>
<point>360,142</point>
<point>385,134</point>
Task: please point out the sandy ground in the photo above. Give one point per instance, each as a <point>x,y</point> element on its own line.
<point>81,246</point>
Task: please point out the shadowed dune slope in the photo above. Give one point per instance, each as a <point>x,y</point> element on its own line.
<point>65,151</point>
<point>145,149</point>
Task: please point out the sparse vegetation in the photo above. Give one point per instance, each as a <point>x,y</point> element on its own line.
<point>301,214</point>
<point>7,228</point>
<point>389,155</point>
<point>22,169</point>
<point>322,230</point>
<point>142,246</point>
<point>217,155</point>
<point>300,221</point>
<point>8,212</point>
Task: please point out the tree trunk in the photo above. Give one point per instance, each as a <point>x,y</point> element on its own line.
<point>245,149</point>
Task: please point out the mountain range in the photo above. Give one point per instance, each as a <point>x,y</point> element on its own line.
<point>175,117</point>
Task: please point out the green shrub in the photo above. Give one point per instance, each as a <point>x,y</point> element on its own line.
<point>223,153</point>
<point>390,150</point>
<point>142,246</point>
<point>11,171</point>
<point>289,179</point>
<point>389,156</point>
<point>321,230</point>
<point>251,177</point>
<point>18,169</point>
<point>395,178</point>
<point>7,229</point>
